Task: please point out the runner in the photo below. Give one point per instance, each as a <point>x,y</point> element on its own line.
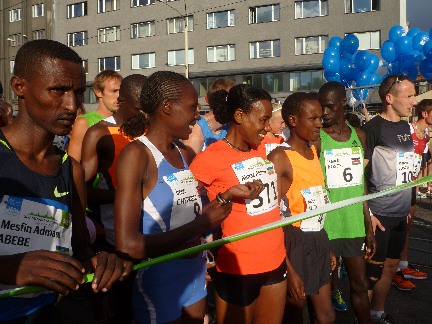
<point>208,130</point>
<point>43,190</point>
<point>349,229</point>
<point>420,135</point>
<point>389,151</point>
<point>274,136</point>
<point>300,188</point>
<point>106,86</point>
<point>157,208</point>
<point>250,280</point>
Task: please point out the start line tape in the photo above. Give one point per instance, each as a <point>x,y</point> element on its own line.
<point>242,235</point>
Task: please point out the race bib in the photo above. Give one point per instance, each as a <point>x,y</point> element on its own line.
<point>344,167</point>
<point>257,168</point>
<point>405,167</point>
<point>34,224</point>
<point>314,197</point>
<point>186,200</point>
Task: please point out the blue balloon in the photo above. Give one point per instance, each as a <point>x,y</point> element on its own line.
<point>412,72</point>
<point>331,63</point>
<point>394,68</point>
<point>332,76</point>
<point>403,45</point>
<point>374,63</point>
<point>427,48</point>
<point>413,32</point>
<point>375,79</point>
<point>362,60</point>
<point>335,41</point>
<point>420,40</point>
<point>430,33</point>
<point>426,68</point>
<point>360,94</point>
<point>331,51</point>
<point>362,78</point>
<point>346,70</point>
<point>396,32</point>
<point>351,43</point>
<point>388,51</point>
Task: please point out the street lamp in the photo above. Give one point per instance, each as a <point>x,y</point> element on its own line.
<point>186,36</point>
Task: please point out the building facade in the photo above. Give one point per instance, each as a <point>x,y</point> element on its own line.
<point>273,44</point>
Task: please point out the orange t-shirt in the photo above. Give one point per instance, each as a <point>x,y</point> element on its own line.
<point>257,254</point>
<point>269,143</point>
<point>120,141</point>
<point>306,174</point>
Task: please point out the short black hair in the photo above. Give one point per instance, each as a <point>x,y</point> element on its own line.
<point>132,86</point>
<point>160,86</point>
<point>241,96</point>
<point>30,57</point>
<point>293,104</point>
<point>333,86</point>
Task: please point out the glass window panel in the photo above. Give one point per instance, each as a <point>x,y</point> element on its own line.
<point>257,81</point>
<point>294,81</point>
<point>265,49</point>
<point>276,48</point>
<point>324,8</point>
<point>273,83</point>
<point>253,50</point>
<point>311,9</point>
<point>232,53</point>
<point>362,5</point>
<point>305,80</point>
<point>317,80</point>
<point>264,14</point>
<point>375,40</point>
<point>298,10</point>
<point>276,15</point>
<point>210,54</point>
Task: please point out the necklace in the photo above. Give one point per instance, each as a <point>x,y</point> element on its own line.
<point>233,146</point>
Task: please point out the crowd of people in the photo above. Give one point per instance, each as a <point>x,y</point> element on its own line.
<point>146,175</point>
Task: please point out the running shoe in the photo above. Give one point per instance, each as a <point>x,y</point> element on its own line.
<point>338,303</point>
<point>402,283</point>
<point>412,273</point>
<point>384,319</point>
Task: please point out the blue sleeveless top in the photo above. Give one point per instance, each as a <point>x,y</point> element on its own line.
<point>209,136</point>
<point>174,200</point>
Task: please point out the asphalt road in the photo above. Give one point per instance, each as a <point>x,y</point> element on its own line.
<point>415,306</point>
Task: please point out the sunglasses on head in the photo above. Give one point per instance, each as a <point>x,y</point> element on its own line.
<point>398,79</point>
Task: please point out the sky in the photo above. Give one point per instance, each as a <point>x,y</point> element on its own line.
<point>419,14</point>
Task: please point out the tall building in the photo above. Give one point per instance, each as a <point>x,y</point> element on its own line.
<point>273,44</point>
<point>21,21</point>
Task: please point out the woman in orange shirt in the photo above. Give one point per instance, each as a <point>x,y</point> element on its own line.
<point>250,278</point>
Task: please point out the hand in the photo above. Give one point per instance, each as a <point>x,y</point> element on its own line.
<point>214,214</point>
<point>376,223</point>
<point>370,246</point>
<point>108,268</point>
<point>295,286</point>
<point>54,271</point>
<point>249,190</point>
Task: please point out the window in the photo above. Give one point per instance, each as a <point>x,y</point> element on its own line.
<point>15,15</point>
<point>221,53</point>
<point>107,5</point>
<point>108,34</point>
<point>264,14</point>
<point>368,40</point>
<point>221,19</point>
<point>89,96</point>
<point>85,65</point>
<point>178,57</point>
<point>111,63</point>
<point>15,39</point>
<point>143,61</point>
<point>11,66</point>
<point>354,6</point>
<point>310,45</point>
<point>38,10</point>
<point>306,80</point>
<point>77,10</point>
<point>264,49</point>
<point>39,34</point>
<point>139,3</point>
<point>176,25</point>
<point>77,39</point>
<point>143,29</point>
<point>309,9</point>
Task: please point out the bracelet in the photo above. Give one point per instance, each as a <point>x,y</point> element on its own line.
<point>220,199</point>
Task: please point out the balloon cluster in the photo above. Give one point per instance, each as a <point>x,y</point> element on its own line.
<point>408,53</point>
<point>343,62</point>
